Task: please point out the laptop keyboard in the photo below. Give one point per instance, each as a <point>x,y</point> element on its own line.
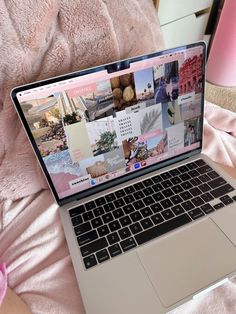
<point>111,225</point>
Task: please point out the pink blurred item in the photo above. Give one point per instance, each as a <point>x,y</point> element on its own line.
<point>221,65</point>
<point>3,281</point>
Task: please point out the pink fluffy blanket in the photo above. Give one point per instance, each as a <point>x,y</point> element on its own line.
<point>46,38</point>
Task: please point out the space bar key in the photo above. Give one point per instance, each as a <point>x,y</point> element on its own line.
<point>161,229</point>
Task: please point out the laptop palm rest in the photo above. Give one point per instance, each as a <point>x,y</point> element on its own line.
<point>189,261</point>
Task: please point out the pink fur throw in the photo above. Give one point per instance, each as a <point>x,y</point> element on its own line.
<point>46,38</point>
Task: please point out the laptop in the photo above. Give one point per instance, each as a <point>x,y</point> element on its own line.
<point>149,220</point>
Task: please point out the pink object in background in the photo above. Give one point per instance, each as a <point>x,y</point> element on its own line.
<point>3,281</point>
<point>221,65</point>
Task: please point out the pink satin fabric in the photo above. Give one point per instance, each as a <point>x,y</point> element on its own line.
<point>3,281</point>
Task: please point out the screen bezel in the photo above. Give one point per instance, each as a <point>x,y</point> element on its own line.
<point>114,66</point>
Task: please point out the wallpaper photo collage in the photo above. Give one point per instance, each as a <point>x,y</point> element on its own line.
<point>92,133</point>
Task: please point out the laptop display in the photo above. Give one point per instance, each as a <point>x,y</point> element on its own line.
<point>91,127</point>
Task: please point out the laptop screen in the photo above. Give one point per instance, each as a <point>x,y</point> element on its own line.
<point>92,127</point>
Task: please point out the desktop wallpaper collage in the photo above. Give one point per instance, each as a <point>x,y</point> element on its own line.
<point>93,133</point>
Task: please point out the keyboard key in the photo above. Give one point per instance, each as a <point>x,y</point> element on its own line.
<point>167,214</point>
<point>118,213</point>
<point>138,186</point>
<point>204,178</point>
<point>125,221</point>
<point>135,228</point>
<point>207,197</point>
<point>183,169</point>
<point>217,182</point>
<point>138,204</point>
<point>166,184</point>
<point>110,197</point>
<point>120,193</point>
<point>148,200</point>
<point>196,213</point>
<point>234,197</point>
<point>193,173</point>
<point>88,216</point>
<point>119,203</point>
<point>195,181</point>
<point>174,172</point>
<point>136,216</point>
<point>157,219</point>
<point>185,177</point>
<point>195,191</point>
<point>146,212</point>
<point>128,209</point>
<point>204,169</point>
<point>165,175</point>
<point>148,182</point>
<point>200,162</point>
<point>103,230</point>
<point>90,261</point>
<point>148,191</point>
<point>207,208</point>
<point>113,238</point>
<point>177,189</point>
<point>156,207</point>
<point>97,222</point>
<point>87,237</point>
<point>124,233</point>
<point>213,174</point>
<point>226,200</point>
<point>77,220</point>
<point>162,228</point>
<point>204,187</point>
<point>157,179</point>
<point>77,211</point>
<point>222,190</point>
<point>93,247</point>
<point>187,205</point>
<point>107,218</point>
<point>98,211</point>
<point>186,185</point>
<point>178,209</point>
<point>191,165</point>
<point>138,195</point>
<point>157,187</point>
<point>90,205</point>
<point>128,244</point>
<point>197,201</point>
<point>114,250</point>
<point>158,196</point>
<point>102,256</point>
<point>175,180</point>
<point>100,201</point>
<point>129,189</point>
<point>129,199</point>
<point>176,199</point>
<point>109,207</point>
<point>186,195</point>
<point>114,225</point>
<point>168,193</point>
<point>85,227</point>
<point>219,205</point>
<point>166,203</point>
<point>146,223</point>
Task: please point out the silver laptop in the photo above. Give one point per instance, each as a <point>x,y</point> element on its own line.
<point>149,220</point>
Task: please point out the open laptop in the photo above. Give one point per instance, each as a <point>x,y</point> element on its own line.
<point>149,220</point>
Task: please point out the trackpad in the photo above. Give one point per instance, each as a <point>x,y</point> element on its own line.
<point>187,261</point>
